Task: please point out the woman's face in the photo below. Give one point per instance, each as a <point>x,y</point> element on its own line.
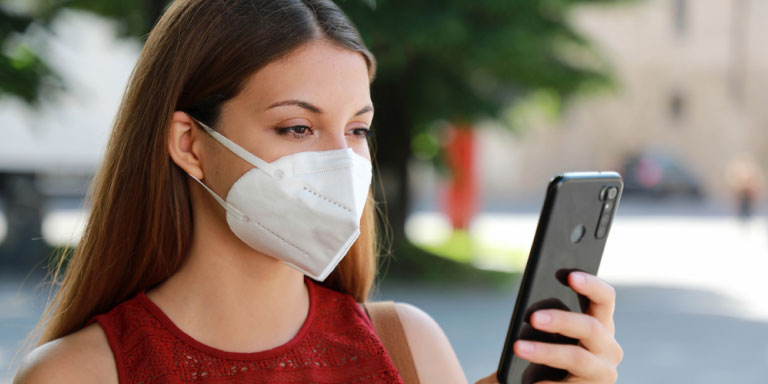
<point>316,98</point>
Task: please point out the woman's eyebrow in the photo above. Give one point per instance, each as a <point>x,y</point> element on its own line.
<point>312,108</point>
<point>365,109</point>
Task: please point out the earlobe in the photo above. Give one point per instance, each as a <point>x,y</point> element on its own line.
<point>183,145</point>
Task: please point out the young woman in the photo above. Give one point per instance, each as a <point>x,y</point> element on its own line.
<point>231,234</point>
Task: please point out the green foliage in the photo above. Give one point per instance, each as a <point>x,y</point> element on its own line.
<point>541,105</point>
<point>133,17</point>
<point>467,60</point>
<point>462,247</point>
<point>412,263</point>
<point>21,73</point>
<point>21,70</point>
<point>425,146</point>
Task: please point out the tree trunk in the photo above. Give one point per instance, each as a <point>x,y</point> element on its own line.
<point>392,151</point>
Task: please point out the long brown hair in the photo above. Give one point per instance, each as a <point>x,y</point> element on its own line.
<point>139,230</point>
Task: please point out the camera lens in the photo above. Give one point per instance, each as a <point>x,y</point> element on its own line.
<point>612,192</point>
<point>601,231</point>
<point>609,192</point>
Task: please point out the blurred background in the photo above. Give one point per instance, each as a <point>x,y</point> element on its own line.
<point>478,105</point>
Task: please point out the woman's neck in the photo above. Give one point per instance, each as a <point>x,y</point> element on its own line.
<point>230,297</point>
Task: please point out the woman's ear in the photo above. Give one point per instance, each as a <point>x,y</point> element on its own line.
<point>184,144</point>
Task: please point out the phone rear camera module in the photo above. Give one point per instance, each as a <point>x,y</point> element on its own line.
<point>608,195</point>
<point>609,192</point>
<point>578,233</point>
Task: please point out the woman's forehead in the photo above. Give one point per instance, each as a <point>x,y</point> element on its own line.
<point>318,71</point>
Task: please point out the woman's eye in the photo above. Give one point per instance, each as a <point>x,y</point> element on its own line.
<point>297,131</point>
<point>362,132</point>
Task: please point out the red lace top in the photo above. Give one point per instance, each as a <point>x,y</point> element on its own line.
<point>336,344</point>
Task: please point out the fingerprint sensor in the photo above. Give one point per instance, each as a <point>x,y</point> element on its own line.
<point>578,233</point>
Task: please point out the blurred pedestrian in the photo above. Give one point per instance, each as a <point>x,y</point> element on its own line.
<point>745,179</point>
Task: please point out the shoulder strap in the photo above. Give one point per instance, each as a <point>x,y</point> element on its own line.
<point>390,330</point>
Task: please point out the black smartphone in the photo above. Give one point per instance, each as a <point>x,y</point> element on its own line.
<point>573,227</point>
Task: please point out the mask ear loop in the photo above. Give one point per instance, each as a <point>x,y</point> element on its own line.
<point>242,153</point>
<point>227,206</point>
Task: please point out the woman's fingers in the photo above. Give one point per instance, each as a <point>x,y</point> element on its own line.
<point>576,360</point>
<point>598,355</point>
<point>601,295</point>
<point>588,330</point>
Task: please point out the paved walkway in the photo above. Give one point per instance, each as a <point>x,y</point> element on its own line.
<point>669,335</point>
<point>690,305</point>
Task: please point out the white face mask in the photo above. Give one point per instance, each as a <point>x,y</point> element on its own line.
<point>303,209</point>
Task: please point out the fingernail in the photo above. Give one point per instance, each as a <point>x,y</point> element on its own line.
<point>541,318</point>
<point>525,347</point>
<point>578,278</point>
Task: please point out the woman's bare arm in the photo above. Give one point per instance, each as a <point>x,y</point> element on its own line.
<point>82,357</point>
<point>432,353</point>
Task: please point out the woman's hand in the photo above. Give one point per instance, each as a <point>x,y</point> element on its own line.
<point>597,356</point>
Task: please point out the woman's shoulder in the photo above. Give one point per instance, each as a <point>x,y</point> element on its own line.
<point>435,360</point>
<point>81,357</point>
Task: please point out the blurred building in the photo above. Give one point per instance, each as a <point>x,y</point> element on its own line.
<point>49,151</point>
<point>691,95</point>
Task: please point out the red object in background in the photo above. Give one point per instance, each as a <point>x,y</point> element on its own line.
<point>649,172</point>
<point>460,196</point>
